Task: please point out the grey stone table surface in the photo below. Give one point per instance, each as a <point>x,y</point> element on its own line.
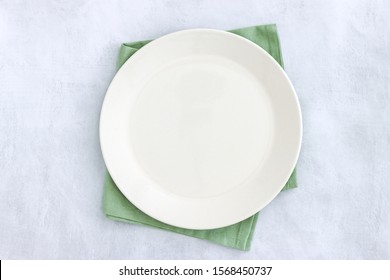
<point>56,61</point>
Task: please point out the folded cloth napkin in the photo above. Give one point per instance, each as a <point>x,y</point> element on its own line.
<point>116,205</point>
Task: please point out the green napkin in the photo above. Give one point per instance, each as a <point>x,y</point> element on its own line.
<point>116,205</point>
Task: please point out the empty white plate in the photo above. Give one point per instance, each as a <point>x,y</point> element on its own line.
<point>200,129</point>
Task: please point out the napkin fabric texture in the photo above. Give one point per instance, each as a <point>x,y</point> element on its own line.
<point>239,236</point>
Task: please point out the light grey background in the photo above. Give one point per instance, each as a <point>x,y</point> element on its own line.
<point>57,59</point>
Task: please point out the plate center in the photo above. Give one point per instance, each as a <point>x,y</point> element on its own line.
<point>201,126</point>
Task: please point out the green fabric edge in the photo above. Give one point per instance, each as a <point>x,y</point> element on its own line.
<point>240,235</point>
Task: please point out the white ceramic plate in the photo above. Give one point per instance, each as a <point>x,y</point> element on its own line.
<point>200,129</point>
